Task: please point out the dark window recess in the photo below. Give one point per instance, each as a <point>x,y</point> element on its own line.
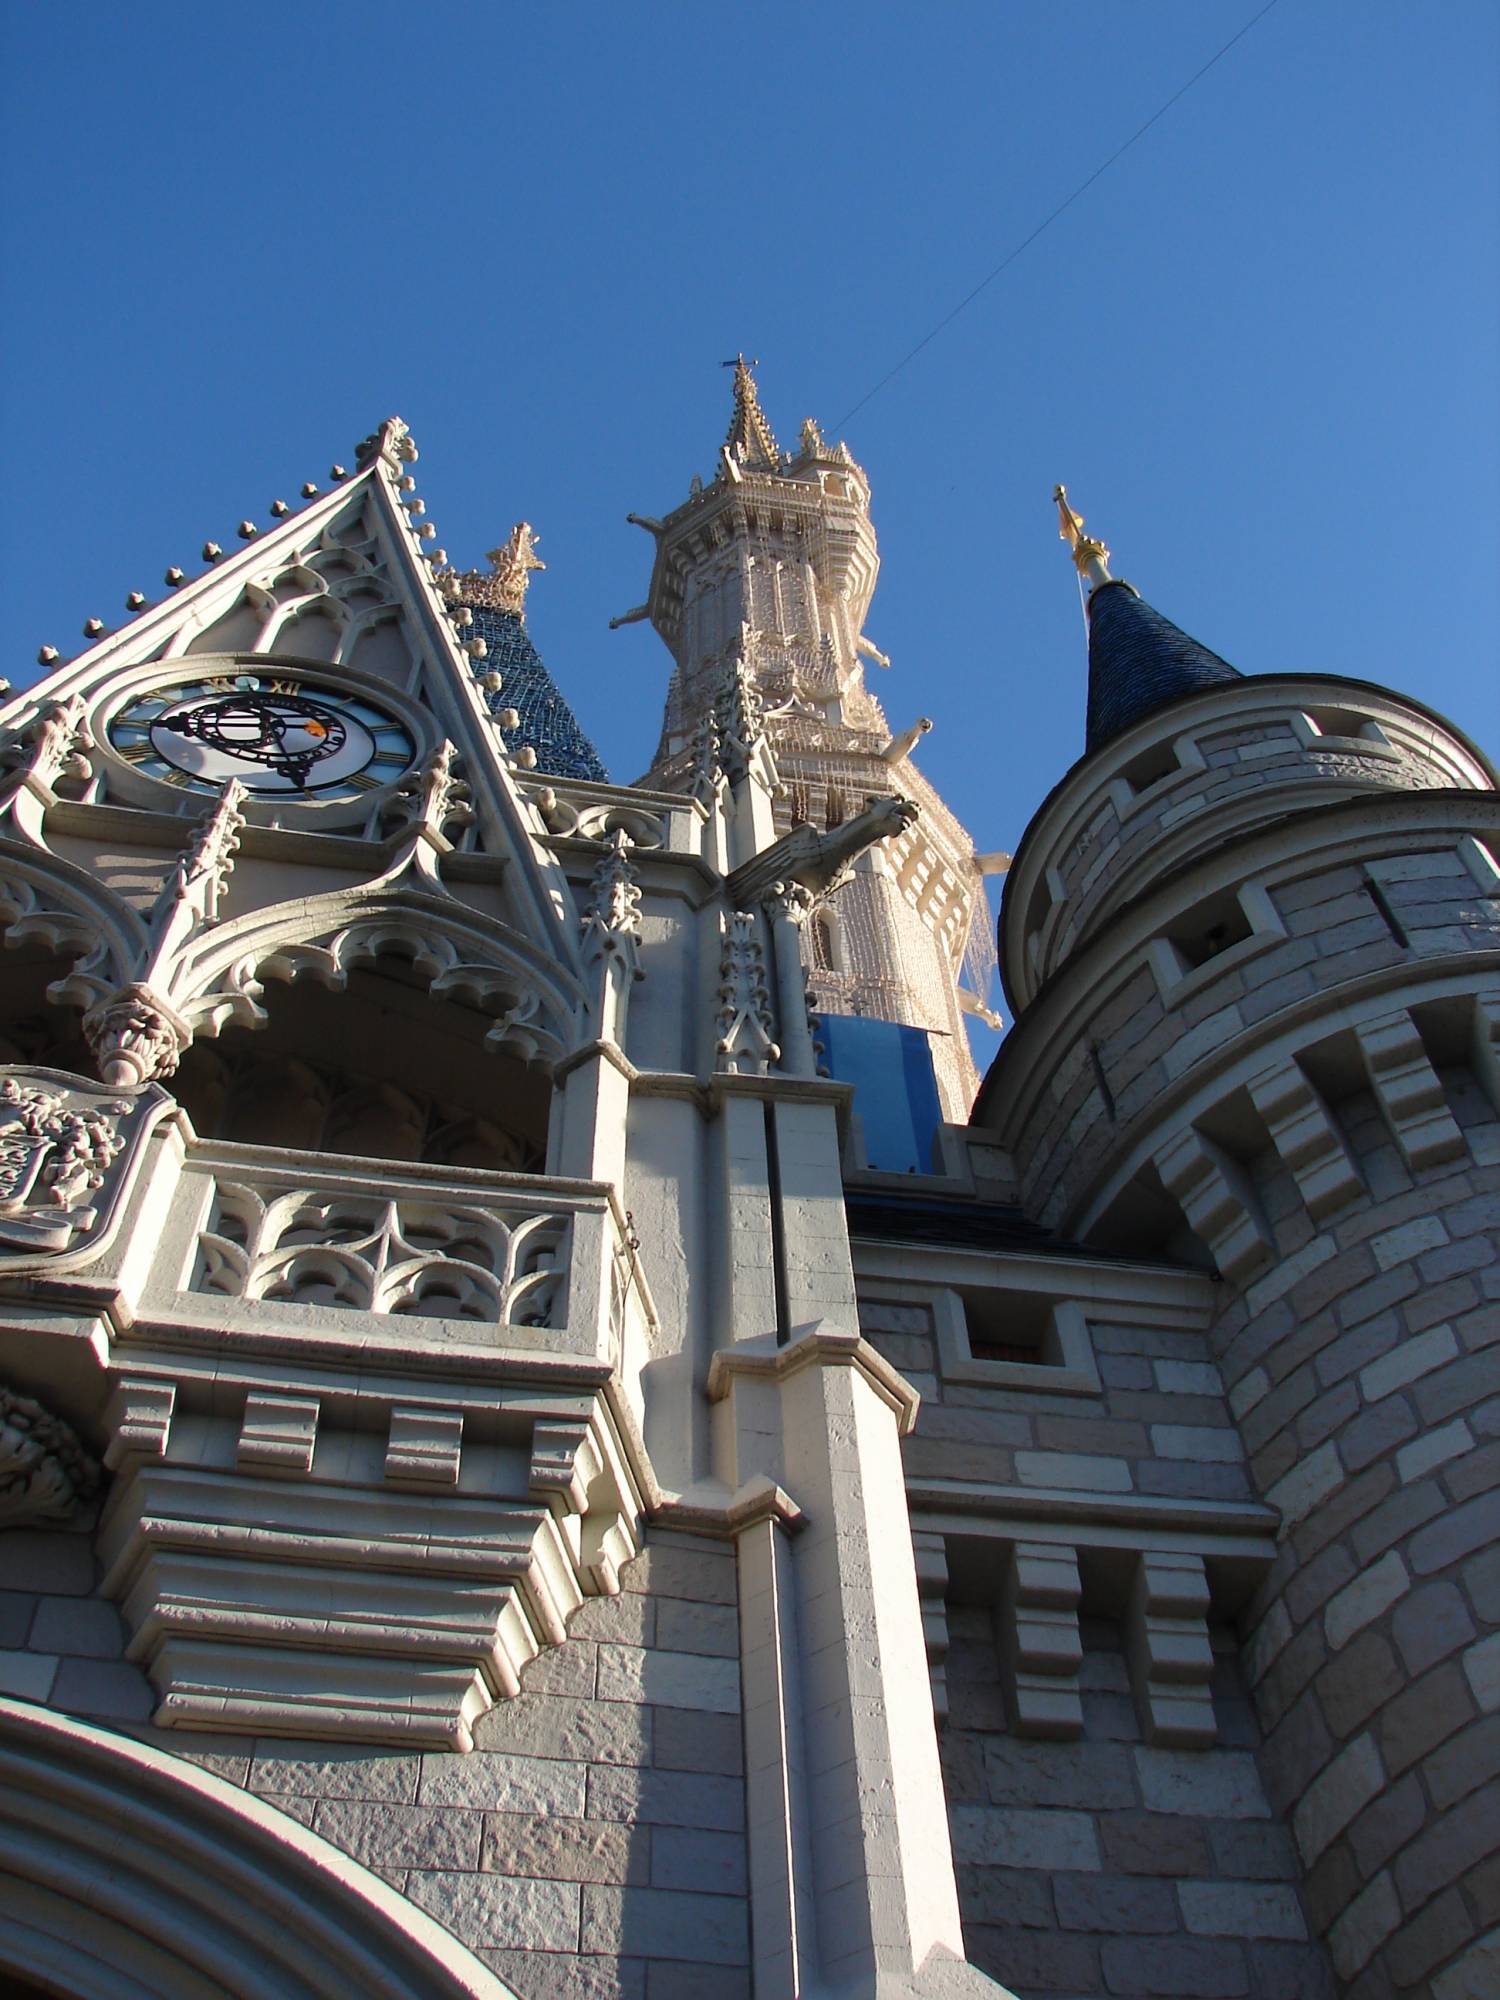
<point>1009,1326</point>
<point>1341,722</point>
<point>1210,927</point>
<point>1150,767</point>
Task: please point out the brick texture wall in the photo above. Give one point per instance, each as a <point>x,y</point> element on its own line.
<point>590,1847</point>
<point>1108,1866</point>
<point>1366,1376</point>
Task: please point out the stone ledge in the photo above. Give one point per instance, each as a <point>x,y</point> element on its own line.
<point>815,1346</point>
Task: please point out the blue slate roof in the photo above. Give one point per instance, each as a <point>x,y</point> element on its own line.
<point>547,723</point>
<point>1138,660</point>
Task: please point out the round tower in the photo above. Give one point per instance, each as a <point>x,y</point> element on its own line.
<point>1252,940</point>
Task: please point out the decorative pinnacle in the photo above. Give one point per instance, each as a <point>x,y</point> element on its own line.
<point>1090,557</point>
<point>750,440</point>
<point>511,566</point>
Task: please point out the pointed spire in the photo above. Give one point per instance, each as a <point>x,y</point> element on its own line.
<point>508,666</point>
<point>1138,660</point>
<point>750,441</point>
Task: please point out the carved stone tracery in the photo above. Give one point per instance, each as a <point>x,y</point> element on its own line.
<point>746,1022</point>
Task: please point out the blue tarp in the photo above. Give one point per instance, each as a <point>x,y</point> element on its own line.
<point>895,1091</point>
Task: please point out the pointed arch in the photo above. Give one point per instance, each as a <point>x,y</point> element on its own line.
<point>47,900</point>
<point>534,1001</point>
<point>126,1873</point>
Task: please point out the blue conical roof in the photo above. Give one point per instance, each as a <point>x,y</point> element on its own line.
<point>547,723</point>
<point>1138,660</point>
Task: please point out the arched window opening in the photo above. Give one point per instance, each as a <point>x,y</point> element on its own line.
<point>827,944</point>
<point>383,1070</point>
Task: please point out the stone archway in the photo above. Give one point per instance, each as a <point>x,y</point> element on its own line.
<point>129,1874</point>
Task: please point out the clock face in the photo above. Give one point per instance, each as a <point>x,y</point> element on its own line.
<point>278,736</point>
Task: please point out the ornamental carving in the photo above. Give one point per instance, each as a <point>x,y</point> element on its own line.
<point>612,918</point>
<point>56,744</point>
<point>66,1148</point>
<point>504,589</point>
<point>135,1037</point>
<point>499,1264</point>
<point>436,797</point>
<point>45,1473</point>
<point>56,1149</point>
<point>746,1022</point>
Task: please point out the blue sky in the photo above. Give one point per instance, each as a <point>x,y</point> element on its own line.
<point>1262,350</point>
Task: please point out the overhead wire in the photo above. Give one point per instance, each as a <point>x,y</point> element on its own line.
<point>1061,209</point>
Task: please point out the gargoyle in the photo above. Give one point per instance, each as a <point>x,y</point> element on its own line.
<point>820,862</point>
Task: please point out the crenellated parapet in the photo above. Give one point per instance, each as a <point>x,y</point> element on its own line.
<point>1209,769</point>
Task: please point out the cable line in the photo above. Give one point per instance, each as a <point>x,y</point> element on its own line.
<point>1061,209</point>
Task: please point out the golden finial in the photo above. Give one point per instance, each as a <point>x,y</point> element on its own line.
<point>1090,557</point>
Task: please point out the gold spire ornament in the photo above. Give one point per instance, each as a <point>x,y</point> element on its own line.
<point>504,589</point>
<point>1090,557</point>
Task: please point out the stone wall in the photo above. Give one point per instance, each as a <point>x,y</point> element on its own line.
<point>1362,1367</point>
<point>590,1847</point>
<point>1137,1038</point>
<point>1108,1865</point>
<point>1113,1832</point>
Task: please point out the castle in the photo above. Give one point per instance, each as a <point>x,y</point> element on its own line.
<point>555,1438</point>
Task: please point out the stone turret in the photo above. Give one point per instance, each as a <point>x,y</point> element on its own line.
<point>1253,943</point>
<point>765,575</point>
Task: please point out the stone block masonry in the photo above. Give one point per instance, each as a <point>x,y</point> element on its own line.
<point>1368,1387</point>
<point>592,1844</point>
<point>1107,1865</point>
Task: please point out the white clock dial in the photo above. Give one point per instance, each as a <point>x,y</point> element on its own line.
<point>278,736</point>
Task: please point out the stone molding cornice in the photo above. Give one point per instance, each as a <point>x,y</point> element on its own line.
<point>369,858</point>
<point>778,1088</point>
<point>1299,1022</point>
<point>1161,1294</point>
<point>1237,822</point>
<point>365,1593</point>
<point>815,1346</point>
<point>1252,694</point>
<point>663,870</point>
<point>1331,825</point>
<point>710,1093</point>
<point>1105,1516</point>
<point>1255,1049</point>
<point>759,1499</point>
<point>600,1051</point>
